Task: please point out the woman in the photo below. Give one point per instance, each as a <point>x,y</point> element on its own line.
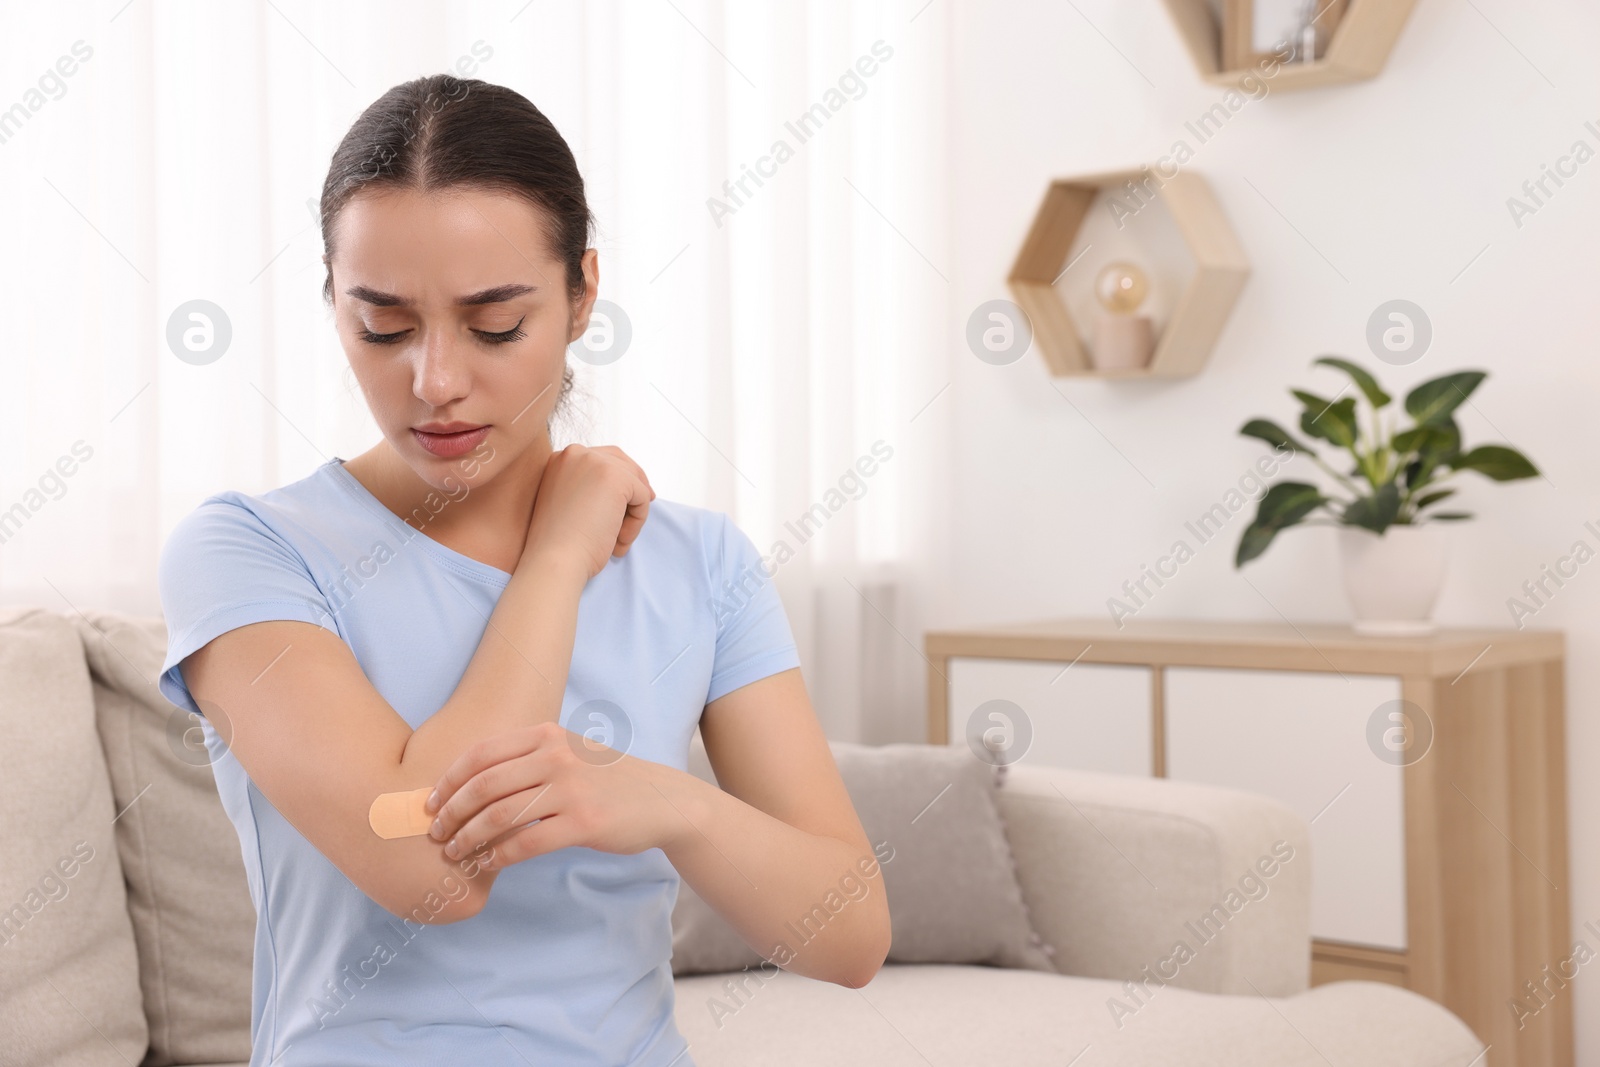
<point>424,622</point>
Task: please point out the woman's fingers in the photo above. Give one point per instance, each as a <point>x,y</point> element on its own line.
<point>547,835</point>
<point>502,818</point>
<point>612,466</point>
<point>637,509</point>
<point>490,790</point>
<point>637,470</point>
<point>632,523</point>
<point>484,773</point>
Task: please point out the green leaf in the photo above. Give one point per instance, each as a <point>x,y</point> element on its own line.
<point>1450,516</point>
<point>1284,505</point>
<point>1499,462</point>
<point>1436,445</point>
<point>1376,512</point>
<point>1433,400</point>
<point>1288,502</point>
<point>1253,542</point>
<point>1271,433</point>
<point>1369,385</point>
<point>1333,421</point>
<point>1433,498</point>
<point>1439,438</point>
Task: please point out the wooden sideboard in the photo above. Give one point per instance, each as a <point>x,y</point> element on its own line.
<point>1432,770</point>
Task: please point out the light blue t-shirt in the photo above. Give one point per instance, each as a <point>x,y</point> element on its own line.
<point>569,963</point>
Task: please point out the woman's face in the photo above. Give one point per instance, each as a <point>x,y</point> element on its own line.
<point>454,314</point>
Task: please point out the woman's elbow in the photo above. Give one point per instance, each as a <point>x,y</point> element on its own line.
<point>864,974</point>
<point>869,960</point>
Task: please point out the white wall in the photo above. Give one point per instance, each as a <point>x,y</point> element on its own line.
<point>1396,184</point>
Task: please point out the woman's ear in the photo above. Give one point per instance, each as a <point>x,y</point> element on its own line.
<point>591,289</point>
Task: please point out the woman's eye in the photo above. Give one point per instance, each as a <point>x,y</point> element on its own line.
<point>513,334</point>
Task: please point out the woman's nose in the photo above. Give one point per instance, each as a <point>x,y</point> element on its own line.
<point>441,373</point>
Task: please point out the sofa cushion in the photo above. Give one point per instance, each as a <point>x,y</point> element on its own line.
<point>931,815</point>
<point>69,975</point>
<point>911,1016</point>
<point>1161,864</point>
<point>188,895</point>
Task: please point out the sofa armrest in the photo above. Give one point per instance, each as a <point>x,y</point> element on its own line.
<point>1162,882</point>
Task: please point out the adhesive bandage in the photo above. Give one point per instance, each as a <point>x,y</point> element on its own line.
<point>401,814</point>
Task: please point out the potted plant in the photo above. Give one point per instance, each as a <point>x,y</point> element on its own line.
<point>1386,505</point>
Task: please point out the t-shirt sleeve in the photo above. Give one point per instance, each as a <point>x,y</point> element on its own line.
<point>753,635</point>
<point>223,567</point>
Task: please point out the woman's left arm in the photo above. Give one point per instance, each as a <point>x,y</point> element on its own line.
<point>778,850</point>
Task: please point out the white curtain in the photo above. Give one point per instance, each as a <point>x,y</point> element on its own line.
<point>154,153</point>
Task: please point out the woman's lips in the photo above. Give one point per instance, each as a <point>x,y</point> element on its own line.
<point>451,444</point>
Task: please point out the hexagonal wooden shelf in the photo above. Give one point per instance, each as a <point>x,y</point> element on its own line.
<point>1360,46</point>
<point>1201,310</point>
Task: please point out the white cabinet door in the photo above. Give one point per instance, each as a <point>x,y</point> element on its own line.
<point>1302,738</point>
<point>1085,716</point>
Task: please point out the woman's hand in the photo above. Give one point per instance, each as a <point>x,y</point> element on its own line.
<point>581,792</point>
<point>590,506</point>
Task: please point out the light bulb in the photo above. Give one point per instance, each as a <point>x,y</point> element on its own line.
<point>1121,287</point>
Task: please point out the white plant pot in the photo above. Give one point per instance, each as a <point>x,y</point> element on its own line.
<point>1393,578</point>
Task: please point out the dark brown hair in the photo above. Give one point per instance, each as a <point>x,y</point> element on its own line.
<point>441,131</point>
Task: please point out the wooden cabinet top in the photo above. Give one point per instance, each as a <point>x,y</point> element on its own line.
<point>1296,646</point>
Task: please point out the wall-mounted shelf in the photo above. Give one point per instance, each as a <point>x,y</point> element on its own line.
<point>1360,46</point>
<point>1201,310</point>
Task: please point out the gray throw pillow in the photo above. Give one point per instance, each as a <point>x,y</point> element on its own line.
<point>69,965</point>
<point>188,895</point>
<point>931,817</point>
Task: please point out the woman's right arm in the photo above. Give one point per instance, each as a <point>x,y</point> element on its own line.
<point>321,743</point>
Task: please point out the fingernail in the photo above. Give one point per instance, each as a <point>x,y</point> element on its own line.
<point>437,829</point>
<point>452,849</point>
<point>433,802</point>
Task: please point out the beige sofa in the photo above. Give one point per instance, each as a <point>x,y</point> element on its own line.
<point>126,930</point>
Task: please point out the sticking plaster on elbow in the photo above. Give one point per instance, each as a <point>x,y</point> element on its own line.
<point>401,814</point>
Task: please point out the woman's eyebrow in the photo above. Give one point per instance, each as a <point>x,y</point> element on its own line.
<point>488,296</point>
